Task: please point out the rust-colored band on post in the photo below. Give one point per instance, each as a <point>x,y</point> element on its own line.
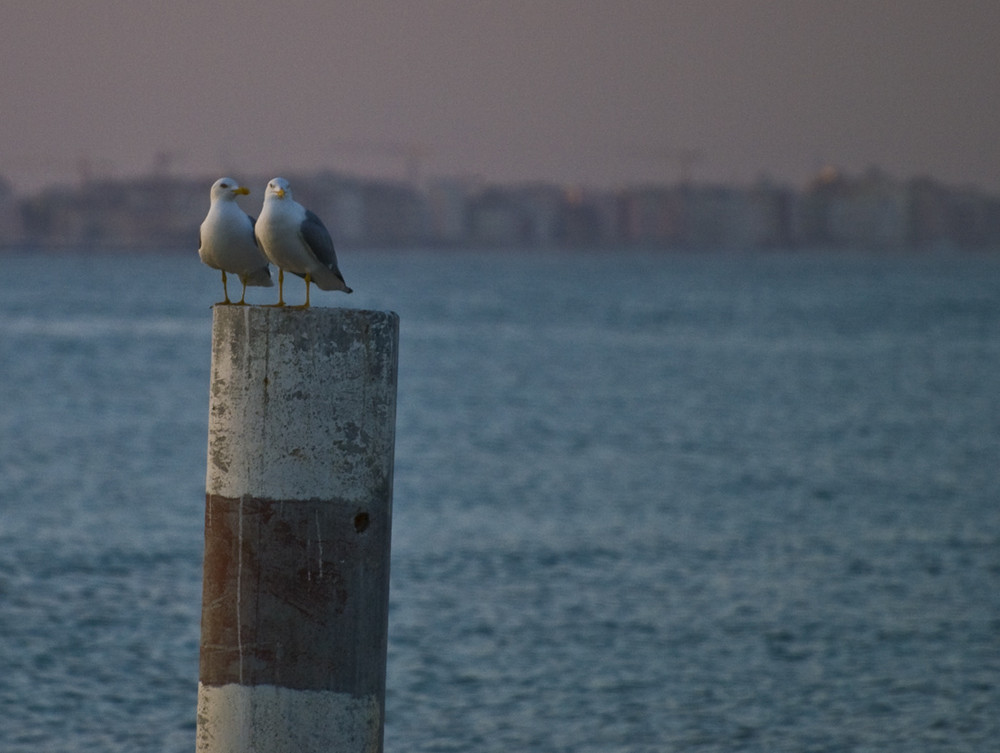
<point>302,574</point>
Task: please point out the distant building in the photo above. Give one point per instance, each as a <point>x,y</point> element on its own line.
<point>393,214</point>
<point>142,213</point>
<point>772,216</point>
<point>446,211</point>
<point>974,218</point>
<point>496,219</point>
<point>719,217</point>
<point>586,219</point>
<point>337,200</point>
<point>868,212</point>
<point>348,215</point>
<point>653,215</point>
<point>872,213</point>
<point>541,207</point>
<point>929,210</point>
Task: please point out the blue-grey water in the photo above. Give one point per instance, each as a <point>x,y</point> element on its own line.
<point>643,502</point>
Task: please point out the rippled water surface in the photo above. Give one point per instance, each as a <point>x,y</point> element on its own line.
<point>643,502</point>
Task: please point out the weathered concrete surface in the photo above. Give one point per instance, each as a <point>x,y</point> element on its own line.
<point>270,719</point>
<point>302,403</point>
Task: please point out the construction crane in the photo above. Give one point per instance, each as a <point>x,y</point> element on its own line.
<point>412,154</point>
<point>683,159</point>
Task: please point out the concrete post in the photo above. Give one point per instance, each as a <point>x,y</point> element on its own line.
<point>297,525</point>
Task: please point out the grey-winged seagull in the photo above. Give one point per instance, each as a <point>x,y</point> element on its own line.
<point>227,240</point>
<point>294,239</point>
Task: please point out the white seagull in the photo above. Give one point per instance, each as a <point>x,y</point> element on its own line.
<point>227,240</point>
<point>294,239</point>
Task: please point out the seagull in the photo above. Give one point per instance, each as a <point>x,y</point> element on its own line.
<point>227,240</point>
<point>294,239</point>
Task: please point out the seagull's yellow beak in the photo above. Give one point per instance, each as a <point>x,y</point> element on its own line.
<point>242,191</point>
<point>279,192</point>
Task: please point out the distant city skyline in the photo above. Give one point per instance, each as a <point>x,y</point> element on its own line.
<point>582,92</point>
<point>868,211</point>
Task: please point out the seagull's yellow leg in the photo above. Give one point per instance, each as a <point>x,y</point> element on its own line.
<point>308,280</point>
<point>242,301</point>
<point>225,291</point>
<point>281,289</point>
<point>306,304</point>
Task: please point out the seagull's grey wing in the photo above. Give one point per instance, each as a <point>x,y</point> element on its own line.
<point>253,229</point>
<point>317,237</point>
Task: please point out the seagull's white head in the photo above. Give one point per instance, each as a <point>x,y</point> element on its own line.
<point>278,188</point>
<point>227,189</point>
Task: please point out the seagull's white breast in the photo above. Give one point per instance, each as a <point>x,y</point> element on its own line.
<point>227,240</point>
<point>280,236</point>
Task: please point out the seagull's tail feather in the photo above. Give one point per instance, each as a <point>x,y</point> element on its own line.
<point>327,279</point>
<point>259,277</point>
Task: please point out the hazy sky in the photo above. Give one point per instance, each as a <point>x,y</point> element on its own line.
<point>576,91</point>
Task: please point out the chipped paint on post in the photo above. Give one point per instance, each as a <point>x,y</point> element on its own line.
<point>297,529</point>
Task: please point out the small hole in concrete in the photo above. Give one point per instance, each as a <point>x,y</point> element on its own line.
<point>361,522</point>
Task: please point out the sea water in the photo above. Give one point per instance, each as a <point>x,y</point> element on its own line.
<point>643,501</point>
